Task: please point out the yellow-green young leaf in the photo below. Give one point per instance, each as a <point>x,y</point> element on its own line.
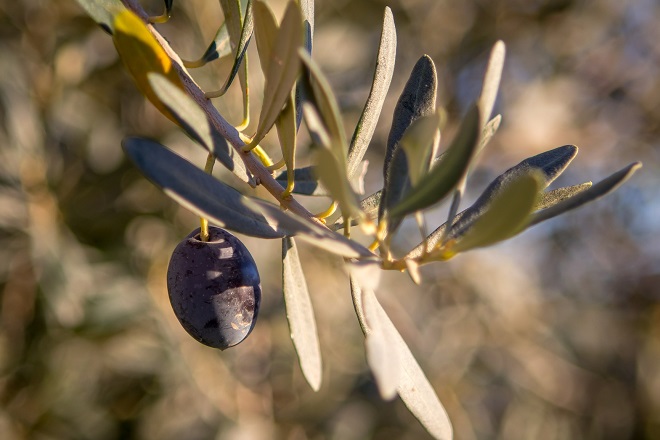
<point>508,214</point>
<point>142,54</point>
<point>443,177</point>
<point>265,32</point>
<point>417,143</point>
<point>283,69</point>
<point>412,385</point>
<point>491,82</point>
<point>286,132</point>
<point>300,314</point>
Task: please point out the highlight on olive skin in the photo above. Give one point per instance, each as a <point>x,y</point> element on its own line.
<point>214,288</point>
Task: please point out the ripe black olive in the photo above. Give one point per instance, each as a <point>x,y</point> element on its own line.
<point>214,288</point>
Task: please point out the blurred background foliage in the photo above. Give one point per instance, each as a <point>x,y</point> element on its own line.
<point>554,335</point>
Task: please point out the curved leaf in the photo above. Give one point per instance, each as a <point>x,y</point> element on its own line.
<point>240,57</point>
<point>366,126</point>
<point>103,12</point>
<point>283,69</point>
<point>417,144</point>
<point>219,47</point>
<point>265,32</point>
<point>300,314</point>
<point>196,124</point>
<point>142,54</point>
<point>443,177</point>
<point>596,191</point>
<point>307,183</point>
<point>287,134</point>
<point>197,191</point>
<point>412,385</point>
<point>307,8</point>
<point>507,215</point>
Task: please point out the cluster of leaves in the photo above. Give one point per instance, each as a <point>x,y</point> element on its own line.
<point>416,175</point>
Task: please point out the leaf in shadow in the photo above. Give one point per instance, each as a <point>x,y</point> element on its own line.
<point>366,125</point>
<point>310,232</point>
<point>412,385</point>
<point>194,121</point>
<point>300,314</point>
<point>588,195</point>
<point>197,191</point>
<point>307,182</point>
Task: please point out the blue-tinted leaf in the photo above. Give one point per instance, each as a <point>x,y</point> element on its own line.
<point>199,192</point>
<point>307,183</point>
<point>596,191</point>
<point>197,125</point>
<point>300,314</point>
<point>381,83</point>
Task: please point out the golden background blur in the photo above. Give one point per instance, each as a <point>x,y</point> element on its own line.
<point>553,335</point>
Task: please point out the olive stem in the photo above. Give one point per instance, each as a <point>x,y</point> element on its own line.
<point>228,131</point>
<point>204,223</point>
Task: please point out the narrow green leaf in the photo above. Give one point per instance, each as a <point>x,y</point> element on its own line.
<point>102,11</point>
<point>197,191</point>
<point>417,144</point>
<point>283,69</point>
<point>413,386</point>
<point>307,8</point>
<point>300,314</point>
<point>366,126</point>
<point>507,215</point>
<point>550,163</point>
<point>286,132</point>
<point>332,175</point>
<point>219,47</point>
<point>197,125</point>
<point>598,190</point>
<point>265,32</point>
<point>323,99</point>
<point>491,82</point>
<point>443,177</point>
<point>310,232</point>
<point>551,198</point>
<point>240,57</point>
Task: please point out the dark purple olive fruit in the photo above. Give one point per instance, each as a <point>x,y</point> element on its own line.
<point>214,288</point>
